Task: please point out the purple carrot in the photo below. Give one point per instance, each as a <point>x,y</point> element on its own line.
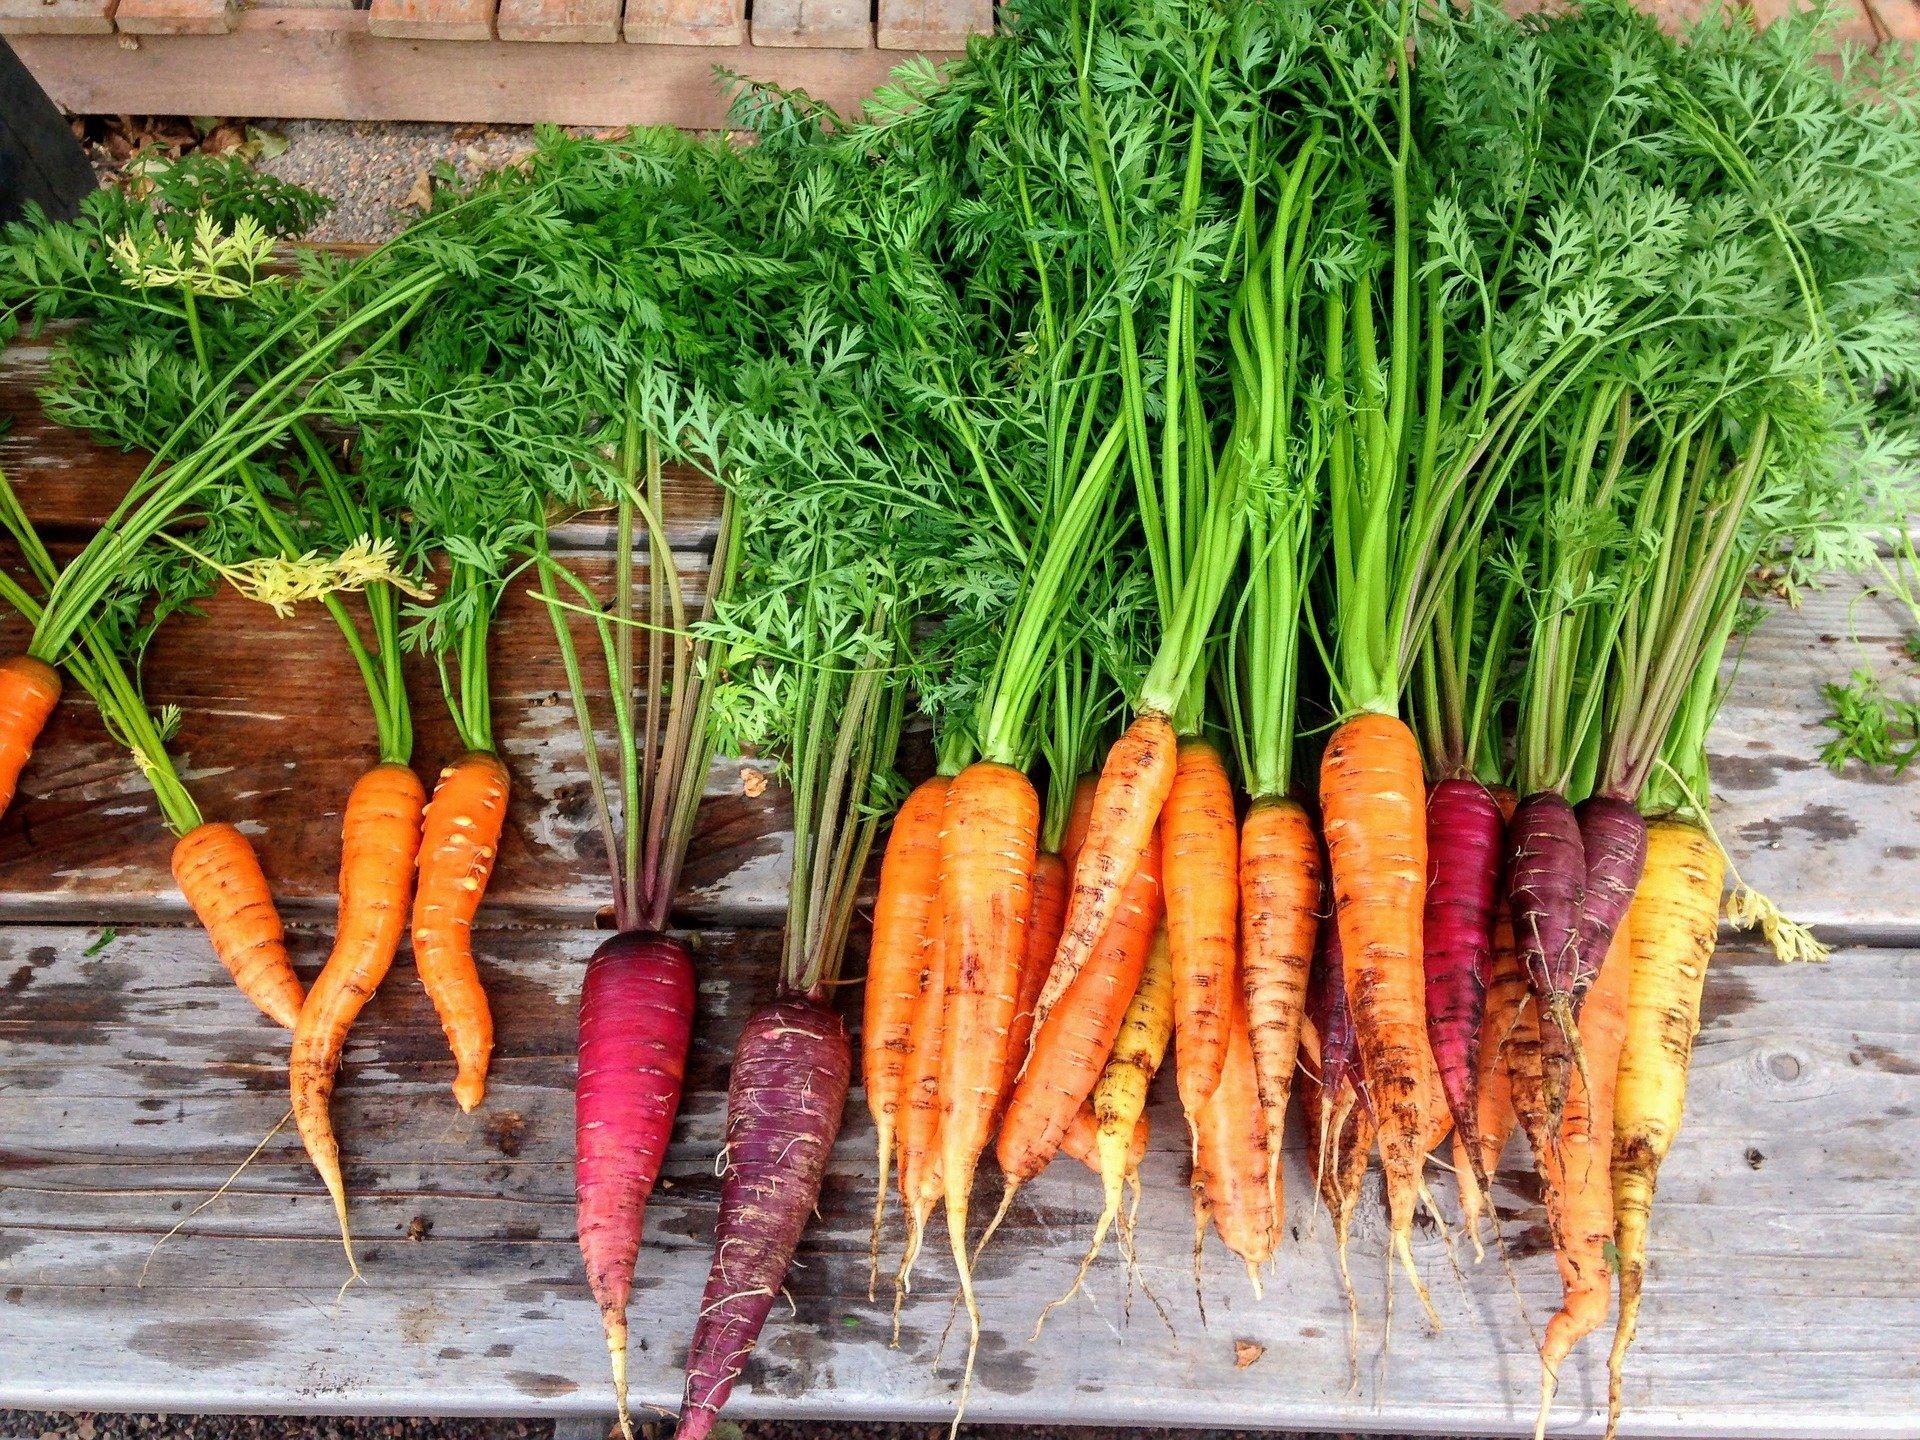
<point>636,1020</point>
<point>1332,1019</point>
<point>1615,836</point>
<point>1464,834</point>
<point>1546,894</point>
<point>790,1077</point>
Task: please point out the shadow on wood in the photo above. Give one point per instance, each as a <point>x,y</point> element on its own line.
<point>40,161</point>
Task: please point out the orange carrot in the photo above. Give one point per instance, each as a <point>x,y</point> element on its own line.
<point>1072,1045</point>
<point>1579,1175</point>
<point>460,837</point>
<point>218,872</point>
<point>1200,843</point>
<point>920,1187</point>
<point>29,689</point>
<point>1044,918</point>
<point>909,887</point>
<point>1506,989</point>
<point>1079,815</point>
<point>987,846</point>
<point>380,844</point>
<point>1373,800</point>
<point>1230,1169</point>
<point>1280,887</point>
<point>1133,788</point>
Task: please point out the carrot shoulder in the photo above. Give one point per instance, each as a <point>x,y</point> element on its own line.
<point>460,838</point>
<point>220,876</point>
<point>380,843</point>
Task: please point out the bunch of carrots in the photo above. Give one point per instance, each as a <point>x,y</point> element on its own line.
<point>1310,497</point>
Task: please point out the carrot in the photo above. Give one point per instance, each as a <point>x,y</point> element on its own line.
<point>1463,884</point>
<point>1373,801</point>
<point>1280,885</point>
<point>1044,918</point>
<point>1546,893</point>
<point>29,690</point>
<point>987,847</point>
<point>909,887</point>
<point>220,876</point>
<point>1493,1100</point>
<point>1120,1097</point>
<point>1673,924</point>
<point>1072,1046</point>
<point>1231,1170</point>
<point>1127,801</point>
<point>920,1185</point>
<point>1578,1189</point>
<point>1200,843</point>
<point>636,1022</point>
<point>1082,1141</point>
<point>460,836</point>
<point>379,844</point>
<point>1340,1123</point>
<point>1079,816</point>
<point>789,1086</point>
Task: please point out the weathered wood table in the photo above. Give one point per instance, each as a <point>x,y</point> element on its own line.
<point>1785,1291</point>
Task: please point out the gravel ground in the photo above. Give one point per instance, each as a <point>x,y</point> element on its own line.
<point>376,173</point>
<point>28,1425</point>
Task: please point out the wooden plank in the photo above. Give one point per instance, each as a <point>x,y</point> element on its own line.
<point>174,17</point>
<point>931,24</point>
<point>432,19</point>
<point>827,24</point>
<point>686,22</point>
<point>291,64</point>
<point>134,1079</point>
<point>56,17</point>
<point>584,21</point>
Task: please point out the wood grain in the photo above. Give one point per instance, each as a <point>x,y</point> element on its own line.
<point>133,1080</point>
<point>328,64</point>
<point>825,24</point>
<point>686,22</point>
<point>931,24</point>
<point>584,21</point>
<point>173,17</point>
<point>56,17</point>
<point>432,19</point>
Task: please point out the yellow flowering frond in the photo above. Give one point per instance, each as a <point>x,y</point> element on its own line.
<point>222,265</point>
<point>1792,942</point>
<point>281,583</point>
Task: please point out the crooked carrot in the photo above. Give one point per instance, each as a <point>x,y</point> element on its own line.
<point>379,845</point>
<point>460,838</point>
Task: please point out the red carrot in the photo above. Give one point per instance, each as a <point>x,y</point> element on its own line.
<point>1463,880</point>
<point>1546,892</point>
<point>636,1020</point>
<point>790,1078</point>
